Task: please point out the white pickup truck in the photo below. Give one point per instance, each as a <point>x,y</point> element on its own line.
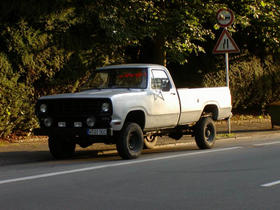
<point>130,105</point>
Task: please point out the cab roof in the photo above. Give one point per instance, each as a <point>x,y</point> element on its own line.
<point>134,65</point>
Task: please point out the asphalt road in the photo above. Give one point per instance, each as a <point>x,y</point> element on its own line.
<point>236,174</point>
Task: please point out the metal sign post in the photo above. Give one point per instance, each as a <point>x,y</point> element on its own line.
<point>227,69</point>
<point>227,80</point>
<point>225,43</point>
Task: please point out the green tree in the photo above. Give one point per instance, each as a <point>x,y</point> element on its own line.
<point>175,27</point>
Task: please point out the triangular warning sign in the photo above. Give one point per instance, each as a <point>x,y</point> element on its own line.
<point>225,44</point>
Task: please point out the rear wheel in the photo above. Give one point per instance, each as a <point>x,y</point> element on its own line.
<point>130,142</point>
<point>205,133</point>
<point>61,149</point>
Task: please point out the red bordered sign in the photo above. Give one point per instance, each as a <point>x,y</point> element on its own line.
<point>225,44</point>
<point>225,17</point>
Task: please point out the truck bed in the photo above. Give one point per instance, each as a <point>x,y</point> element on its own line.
<point>193,101</point>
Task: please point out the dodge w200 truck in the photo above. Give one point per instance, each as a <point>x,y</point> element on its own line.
<point>130,105</point>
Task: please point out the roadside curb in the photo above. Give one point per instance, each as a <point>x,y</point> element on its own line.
<point>249,135</point>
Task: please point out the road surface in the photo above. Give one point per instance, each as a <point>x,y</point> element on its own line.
<point>236,174</point>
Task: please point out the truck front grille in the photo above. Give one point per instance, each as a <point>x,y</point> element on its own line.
<point>73,107</point>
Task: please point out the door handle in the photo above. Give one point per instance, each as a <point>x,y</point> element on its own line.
<point>172,93</point>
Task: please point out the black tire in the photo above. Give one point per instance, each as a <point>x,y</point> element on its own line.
<point>130,142</point>
<point>205,133</point>
<point>61,149</point>
<point>150,142</point>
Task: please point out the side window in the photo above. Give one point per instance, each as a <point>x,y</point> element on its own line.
<point>159,80</point>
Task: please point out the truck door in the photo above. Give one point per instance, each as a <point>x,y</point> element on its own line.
<point>165,108</point>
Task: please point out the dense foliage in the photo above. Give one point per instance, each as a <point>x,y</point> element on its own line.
<point>254,83</point>
<point>48,46</point>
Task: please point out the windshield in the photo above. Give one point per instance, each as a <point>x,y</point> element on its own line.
<point>117,78</point>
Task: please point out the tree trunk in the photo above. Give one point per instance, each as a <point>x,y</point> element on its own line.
<point>159,50</point>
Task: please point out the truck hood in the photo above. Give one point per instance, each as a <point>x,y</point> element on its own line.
<point>103,93</point>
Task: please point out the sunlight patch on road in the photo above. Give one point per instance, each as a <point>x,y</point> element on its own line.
<point>267,143</point>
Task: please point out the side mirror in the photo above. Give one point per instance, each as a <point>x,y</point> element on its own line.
<point>166,86</point>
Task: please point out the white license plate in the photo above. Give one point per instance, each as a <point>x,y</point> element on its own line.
<point>97,132</point>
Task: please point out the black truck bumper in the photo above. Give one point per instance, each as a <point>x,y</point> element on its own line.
<point>75,132</point>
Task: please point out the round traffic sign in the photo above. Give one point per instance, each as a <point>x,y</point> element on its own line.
<point>225,17</point>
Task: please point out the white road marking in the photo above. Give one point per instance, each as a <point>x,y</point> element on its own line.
<point>275,182</point>
<point>271,184</point>
<point>122,163</point>
<point>267,143</point>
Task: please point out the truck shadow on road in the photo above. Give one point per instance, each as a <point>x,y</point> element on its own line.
<point>81,156</point>
<point>23,157</point>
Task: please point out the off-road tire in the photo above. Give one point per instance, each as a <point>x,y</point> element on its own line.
<point>130,142</point>
<point>61,149</point>
<point>205,133</point>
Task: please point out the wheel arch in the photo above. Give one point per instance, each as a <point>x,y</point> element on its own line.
<point>210,110</point>
<point>136,116</point>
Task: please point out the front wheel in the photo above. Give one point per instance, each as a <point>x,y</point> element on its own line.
<point>205,133</point>
<point>61,149</point>
<point>130,142</point>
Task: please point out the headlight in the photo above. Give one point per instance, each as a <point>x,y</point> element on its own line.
<point>48,122</point>
<point>105,107</point>
<point>91,121</point>
<point>43,108</point>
